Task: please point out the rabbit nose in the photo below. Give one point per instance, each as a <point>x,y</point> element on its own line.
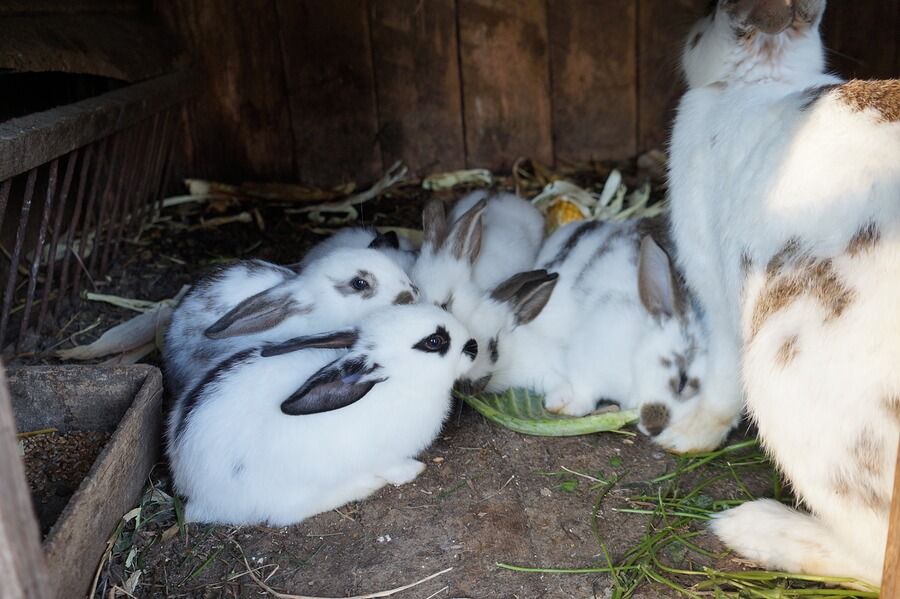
<point>471,348</point>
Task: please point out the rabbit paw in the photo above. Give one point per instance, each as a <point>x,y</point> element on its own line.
<point>403,472</point>
<point>564,400</point>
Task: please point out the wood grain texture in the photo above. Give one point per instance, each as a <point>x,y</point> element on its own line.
<point>861,38</point>
<point>21,559</point>
<point>662,27</point>
<point>416,66</point>
<point>506,89</point>
<point>594,78</point>
<point>890,580</point>
<point>240,126</point>
<point>331,87</point>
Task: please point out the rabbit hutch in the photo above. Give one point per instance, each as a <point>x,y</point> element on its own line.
<point>143,141</point>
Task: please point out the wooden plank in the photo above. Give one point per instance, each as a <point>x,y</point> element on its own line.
<point>126,46</point>
<point>890,580</point>
<point>662,26</point>
<point>416,65</point>
<point>861,38</point>
<point>506,89</point>
<point>32,140</point>
<point>239,126</point>
<point>30,7</point>
<point>594,78</point>
<point>21,560</point>
<point>331,89</point>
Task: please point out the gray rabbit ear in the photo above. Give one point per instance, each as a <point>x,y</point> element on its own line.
<point>257,313</point>
<point>434,225</point>
<point>343,339</point>
<point>387,240</point>
<point>527,293</point>
<point>335,386</point>
<point>465,236</point>
<point>656,285</point>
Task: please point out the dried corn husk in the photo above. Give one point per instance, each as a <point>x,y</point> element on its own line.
<point>476,176</point>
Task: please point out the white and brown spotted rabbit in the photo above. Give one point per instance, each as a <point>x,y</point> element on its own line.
<point>785,191</point>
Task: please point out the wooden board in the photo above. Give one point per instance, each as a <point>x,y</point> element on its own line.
<point>82,397</point>
<point>854,31</point>
<point>594,78</point>
<point>890,583</point>
<point>331,89</point>
<point>417,83</point>
<point>21,560</point>
<point>506,82</point>
<point>662,26</point>
<point>239,128</point>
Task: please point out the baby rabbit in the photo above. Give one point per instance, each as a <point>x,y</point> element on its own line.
<point>785,194</point>
<point>282,431</point>
<point>618,326</point>
<point>513,232</point>
<point>444,276</point>
<point>240,305</point>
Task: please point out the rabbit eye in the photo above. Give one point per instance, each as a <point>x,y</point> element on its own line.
<point>437,342</point>
<point>360,284</point>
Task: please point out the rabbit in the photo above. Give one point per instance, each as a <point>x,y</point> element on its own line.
<point>619,326</point>
<point>239,305</point>
<point>279,432</point>
<point>785,196</point>
<point>513,232</point>
<point>396,247</point>
<point>444,276</point>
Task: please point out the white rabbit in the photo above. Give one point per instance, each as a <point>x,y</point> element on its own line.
<point>513,232</point>
<point>444,276</point>
<point>396,247</point>
<point>785,194</point>
<point>618,327</point>
<point>242,304</point>
<point>277,433</point>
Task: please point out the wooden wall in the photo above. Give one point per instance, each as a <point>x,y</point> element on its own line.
<point>329,91</point>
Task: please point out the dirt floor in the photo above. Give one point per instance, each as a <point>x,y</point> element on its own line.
<point>489,496</point>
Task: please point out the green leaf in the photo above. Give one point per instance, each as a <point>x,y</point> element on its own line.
<point>523,411</point>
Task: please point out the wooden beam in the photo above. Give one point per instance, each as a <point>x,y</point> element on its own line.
<point>21,559</point>
<point>35,139</point>
<point>416,63</point>
<point>506,82</point>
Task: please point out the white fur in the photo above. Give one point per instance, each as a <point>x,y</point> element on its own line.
<point>317,305</point>
<point>596,340</point>
<point>240,460</point>
<point>513,232</point>
<point>755,163</point>
<point>360,238</point>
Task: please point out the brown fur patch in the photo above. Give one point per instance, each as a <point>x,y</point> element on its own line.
<point>866,238</point>
<point>892,405</point>
<point>867,453</point>
<point>790,276</point>
<point>655,417</point>
<point>788,351</point>
<point>880,96</point>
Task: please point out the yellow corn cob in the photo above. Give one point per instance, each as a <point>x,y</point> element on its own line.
<point>561,212</point>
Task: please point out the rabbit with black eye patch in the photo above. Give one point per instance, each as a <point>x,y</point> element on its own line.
<point>445,277</point>
<point>785,195</point>
<point>280,432</point>
<point>240,305</point>
<point>618,326</point>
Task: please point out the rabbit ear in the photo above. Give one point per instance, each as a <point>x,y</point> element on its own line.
<point>656,285</point>
<point>434,225</point>
<point>465,236</point>
<point>335,386</point>
<point>257,313</point>
<point>342,339</point>
<point>385,240</point>
<point>527,292</point>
